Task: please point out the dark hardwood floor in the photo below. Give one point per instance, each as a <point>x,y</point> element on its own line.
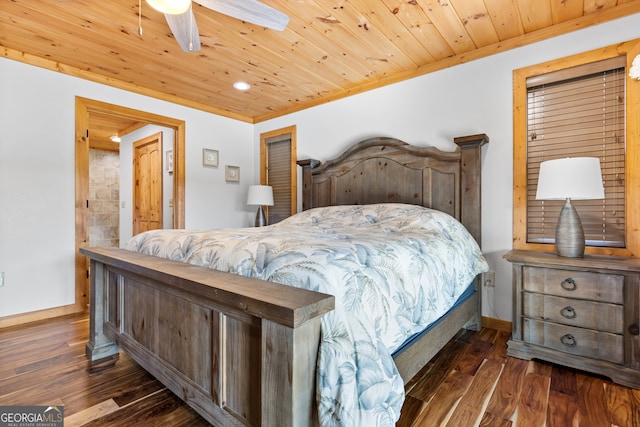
<point>471,382</point>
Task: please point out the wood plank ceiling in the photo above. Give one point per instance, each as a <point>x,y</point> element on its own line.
<point>329,50</point>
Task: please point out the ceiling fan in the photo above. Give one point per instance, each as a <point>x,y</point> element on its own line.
<point>179,15</point>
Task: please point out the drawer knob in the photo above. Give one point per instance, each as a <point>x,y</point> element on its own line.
<point>634,329</point>
<point>568,340</point>
<point>568,312</point>
<point>569,284</point>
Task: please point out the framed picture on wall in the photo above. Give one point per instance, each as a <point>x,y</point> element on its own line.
<point>169,161</point>
<point>232,173</point>
<point>210,157</point>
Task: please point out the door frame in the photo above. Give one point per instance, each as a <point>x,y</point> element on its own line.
<point>84,107</point>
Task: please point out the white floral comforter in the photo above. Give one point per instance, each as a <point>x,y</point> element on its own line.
<point>393,268</point>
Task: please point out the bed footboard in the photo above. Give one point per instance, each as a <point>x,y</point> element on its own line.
<point>240,351</point>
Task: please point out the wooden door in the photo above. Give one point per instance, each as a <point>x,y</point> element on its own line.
<point>147,184</point>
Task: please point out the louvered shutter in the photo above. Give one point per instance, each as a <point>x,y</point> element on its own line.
<point>279,176</point>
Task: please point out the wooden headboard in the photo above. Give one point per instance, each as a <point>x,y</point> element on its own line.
<point>384,170</point>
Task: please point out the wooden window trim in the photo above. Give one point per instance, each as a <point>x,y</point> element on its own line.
<point>632,193</point>
<point>291,130</point>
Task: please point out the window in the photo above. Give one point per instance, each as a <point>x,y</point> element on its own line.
<point>572,107</point>
<point>278,169</point>
<point>578,112</point>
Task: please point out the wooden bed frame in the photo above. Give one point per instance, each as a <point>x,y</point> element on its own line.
<point>243,351</point>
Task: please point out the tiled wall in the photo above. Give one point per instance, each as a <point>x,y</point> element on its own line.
<point>104,198</point>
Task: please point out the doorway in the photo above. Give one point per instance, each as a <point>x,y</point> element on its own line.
<point>85,108</point>
<point>104,197</point>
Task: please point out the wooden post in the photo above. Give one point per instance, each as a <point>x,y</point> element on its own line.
<point>471,207</point>
<point>471,175</point>
<point>289,358</point>
<point>99,346</point>
<point>307,165</point>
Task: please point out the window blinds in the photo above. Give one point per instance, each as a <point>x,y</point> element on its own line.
<point>579,112</point>
<point>279,176</point>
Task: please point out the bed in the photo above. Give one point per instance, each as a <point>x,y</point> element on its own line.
<point>245,351</point>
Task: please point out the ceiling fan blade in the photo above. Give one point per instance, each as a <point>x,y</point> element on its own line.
<point>249,10</point>
<point>185,30</point>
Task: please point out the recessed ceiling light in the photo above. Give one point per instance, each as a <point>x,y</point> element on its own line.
<point>242,85</point>
<point>114,138</point>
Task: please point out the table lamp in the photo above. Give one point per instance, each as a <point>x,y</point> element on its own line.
<point>260,195</point>
<point>577,178</point>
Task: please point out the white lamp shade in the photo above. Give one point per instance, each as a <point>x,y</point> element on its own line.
<point>577,178</point>
<point>170,7</point>
<point>260,195</point>
<point>634,71</point>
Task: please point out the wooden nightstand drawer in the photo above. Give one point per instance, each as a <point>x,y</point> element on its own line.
<point>578,312</point>
<point>578,341</point>
<point>583,313</point>
<point>574,284</point>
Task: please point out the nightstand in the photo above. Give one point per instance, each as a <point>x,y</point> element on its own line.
<point>578,312</point>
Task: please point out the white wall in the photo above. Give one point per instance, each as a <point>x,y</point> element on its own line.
<point>433,109</point>
<point>37,178</point>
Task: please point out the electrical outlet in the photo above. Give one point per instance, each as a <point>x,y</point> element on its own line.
<point>1,278</point>
<point>490,278</point>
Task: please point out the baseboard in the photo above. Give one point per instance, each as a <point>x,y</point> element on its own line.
<point>499,324</point>
<point>34,316</point>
